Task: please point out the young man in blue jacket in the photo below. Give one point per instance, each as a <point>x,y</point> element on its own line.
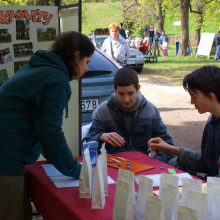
<point>203,86</point>
<point>31,114</point>
<point>127,121</point>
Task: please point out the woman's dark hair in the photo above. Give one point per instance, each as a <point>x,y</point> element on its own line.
<point>205,79</point>
<point>126,76</point>
<point>67,44</point>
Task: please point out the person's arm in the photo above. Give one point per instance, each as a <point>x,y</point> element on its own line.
<point>127,51</point>
<point>97,131</point>
<point>188,159</point>
<point>48,124</point>
<point>157,144</point>
<point>104,46</point>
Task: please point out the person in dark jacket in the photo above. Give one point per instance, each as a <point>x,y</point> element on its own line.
<point>122,31</point>
<point>31,113</point>
<point>127,121</point>
<point>203,86</point>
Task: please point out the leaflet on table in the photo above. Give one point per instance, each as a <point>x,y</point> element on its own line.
<point>61,180</point>
<point>156,178</point>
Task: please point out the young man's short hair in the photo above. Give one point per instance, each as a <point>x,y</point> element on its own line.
<point>126,76</point>
<point>205,79</point>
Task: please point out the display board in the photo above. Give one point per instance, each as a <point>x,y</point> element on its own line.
<point>205,44</point>
<point>23,31</point>
<point>26,29</point>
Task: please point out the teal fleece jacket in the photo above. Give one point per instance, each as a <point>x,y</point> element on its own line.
<point>31,115</point>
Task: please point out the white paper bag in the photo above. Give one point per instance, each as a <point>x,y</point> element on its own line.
<point>170,197</point>
<point>145,188</point>
<point>128,176</point>
<point>168,178</point>
<point>123,202</point>
<point>190,184</point>
<point>215,211</point>
<point>86,177</point>
<point>154,208</point>
<point>186,213</point>
<point>213,183</point>
<point>197,201</point>
<point>104,168</point>
<point>98,190</point>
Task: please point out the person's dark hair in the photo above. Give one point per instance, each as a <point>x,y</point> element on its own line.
<point>67,44</point>
<point>218,31</point>
<point>126,76</point>
<point>205,79</point>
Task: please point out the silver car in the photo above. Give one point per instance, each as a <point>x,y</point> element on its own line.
<point>97,83</point>
<point>136,60</point>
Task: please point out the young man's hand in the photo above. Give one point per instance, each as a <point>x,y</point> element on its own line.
<point>160,145</point>
<point>112,138</point>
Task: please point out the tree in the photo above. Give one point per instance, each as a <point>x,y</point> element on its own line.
<point>149,6</point>
<point>184,17</point>
<point>207,11</point>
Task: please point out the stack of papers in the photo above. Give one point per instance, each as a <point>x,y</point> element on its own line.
<point>60,180</point>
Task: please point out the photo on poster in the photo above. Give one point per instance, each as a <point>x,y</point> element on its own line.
<point>3,76</point>
<point>5,56</point>
<point>5,35</point>
<point>22,30</point>
<point>46,34</point>
<point>19,65</point>
<point>23,49</point>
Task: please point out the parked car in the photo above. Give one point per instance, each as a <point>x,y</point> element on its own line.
<point>136,60</point>
<point>97,83</point>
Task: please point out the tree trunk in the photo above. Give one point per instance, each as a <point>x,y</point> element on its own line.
<point>184,17</point>
<point>199,23</point>
<point>159,19</point>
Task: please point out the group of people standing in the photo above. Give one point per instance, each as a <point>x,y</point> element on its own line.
<point>156,44</point>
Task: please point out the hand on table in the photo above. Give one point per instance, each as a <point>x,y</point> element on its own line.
<point>112,138</point>
<point>160,145</point>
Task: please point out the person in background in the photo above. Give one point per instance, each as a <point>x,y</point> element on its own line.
<point>32,103</point>
<point>127,120</point>
<point>217,43</point>
<point>128,36</point>
<point>203,86</point>
<point>164,47</point>
<point>91,33</point>
<point>156,43</point>
<point>146,44</point>
<point>164,36</point>
<point>122,31</point>
<point>115,45</point>
<point>132,44</point>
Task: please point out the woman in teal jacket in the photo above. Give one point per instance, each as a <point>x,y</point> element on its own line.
<point>31,112</point>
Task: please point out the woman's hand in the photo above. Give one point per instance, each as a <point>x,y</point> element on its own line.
<point>112,138</point>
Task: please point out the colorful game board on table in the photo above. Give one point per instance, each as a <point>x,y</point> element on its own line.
<point>126,164</point>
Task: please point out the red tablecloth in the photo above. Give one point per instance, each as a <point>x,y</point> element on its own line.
<point>64,203</point>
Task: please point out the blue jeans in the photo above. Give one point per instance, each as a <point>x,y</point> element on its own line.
<point>217,53</point>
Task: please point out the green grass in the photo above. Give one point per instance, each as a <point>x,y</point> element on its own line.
<point>171,70</point>
<point>100,15</point>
